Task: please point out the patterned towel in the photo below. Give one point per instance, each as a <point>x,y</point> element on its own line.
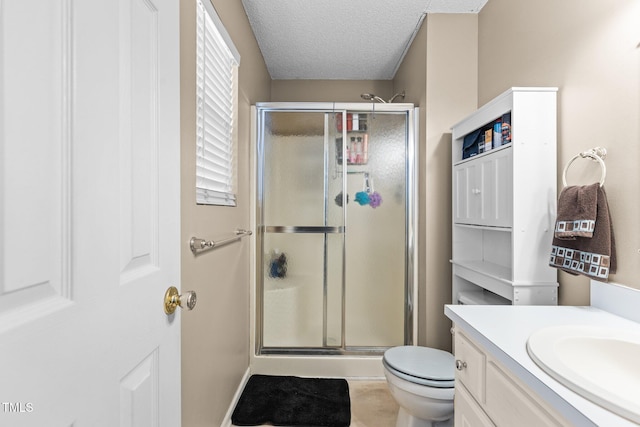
<point>580,251</point>
<point>577,209</point>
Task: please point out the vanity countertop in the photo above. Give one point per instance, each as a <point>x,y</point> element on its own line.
<point>503,331</point>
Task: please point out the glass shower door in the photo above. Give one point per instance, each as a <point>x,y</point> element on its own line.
<point>377,234</point>
<point>303,232</point>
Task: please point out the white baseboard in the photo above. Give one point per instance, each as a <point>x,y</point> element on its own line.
<point>226,421</point>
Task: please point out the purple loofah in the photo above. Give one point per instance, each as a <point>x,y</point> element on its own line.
<point>362,198</point>
<point>375,199</point>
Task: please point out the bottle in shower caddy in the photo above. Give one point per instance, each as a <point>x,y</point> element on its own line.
<point>365,149</point>
<point>359,152</point>
<point>352,151</point>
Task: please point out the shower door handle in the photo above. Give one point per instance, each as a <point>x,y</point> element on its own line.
<point>302,229</point>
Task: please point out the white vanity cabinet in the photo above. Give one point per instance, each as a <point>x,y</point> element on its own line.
<point>504,202</point>
<point>487,394</point>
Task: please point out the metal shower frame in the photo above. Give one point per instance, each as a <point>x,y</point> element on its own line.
<point>411,224</point>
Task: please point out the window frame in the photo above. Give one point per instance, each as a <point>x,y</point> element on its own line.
<point>217,63</point>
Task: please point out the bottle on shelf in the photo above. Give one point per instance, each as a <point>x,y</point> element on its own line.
<point>497,133</point>
<point>359,150</point>
<point>488,140</point>
<point>365,148</point>
<point>352,150</point>
<point>506,128</point>
<point>339,122</point>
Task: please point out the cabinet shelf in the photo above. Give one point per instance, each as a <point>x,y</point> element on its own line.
<point>484,227</point>
<point>486,269</point>
<point>492,277</point>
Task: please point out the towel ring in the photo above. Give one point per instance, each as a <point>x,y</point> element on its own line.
<point>596,154</point>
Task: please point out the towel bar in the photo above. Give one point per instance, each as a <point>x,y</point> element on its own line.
<point>200,245</point>
<point>597,154</point>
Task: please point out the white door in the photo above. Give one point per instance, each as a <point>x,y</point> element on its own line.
<point>89,212</point>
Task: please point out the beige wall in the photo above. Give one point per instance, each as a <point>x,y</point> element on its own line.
<point>589,49</point>
<point>215,336</point>
<point>439,75</point>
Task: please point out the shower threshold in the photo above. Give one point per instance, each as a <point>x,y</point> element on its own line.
<point>356,366</point>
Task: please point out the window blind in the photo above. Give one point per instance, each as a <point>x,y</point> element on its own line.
<point>216,98</point>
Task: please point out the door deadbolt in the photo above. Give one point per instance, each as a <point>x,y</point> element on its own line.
<point>172,300</point>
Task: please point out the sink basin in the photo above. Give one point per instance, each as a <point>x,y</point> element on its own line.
<point>600,364</point>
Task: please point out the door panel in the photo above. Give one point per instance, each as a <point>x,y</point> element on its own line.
<point>293,183</point>
<point>36,237</point>
<point>139,391</point>
<point>303,228</point>
<point>502,182</point>
<point>376,238</point>
<point>467,200</point>
<point>89,212</point>
<point>293,297</point>
<point>138,138</point>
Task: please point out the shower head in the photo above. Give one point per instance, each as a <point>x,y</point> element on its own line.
<point>372,97</point>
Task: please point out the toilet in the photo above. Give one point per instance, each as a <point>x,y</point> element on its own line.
<point>421,380</point>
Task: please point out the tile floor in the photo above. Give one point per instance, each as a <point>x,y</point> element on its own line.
<point>371,404</point>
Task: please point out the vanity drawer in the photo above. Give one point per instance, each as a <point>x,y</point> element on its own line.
<point>470,366</point>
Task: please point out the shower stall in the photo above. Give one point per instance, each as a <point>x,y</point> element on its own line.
<point>335,220</point>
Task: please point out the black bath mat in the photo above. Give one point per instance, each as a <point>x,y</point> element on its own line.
<point>293,401</point>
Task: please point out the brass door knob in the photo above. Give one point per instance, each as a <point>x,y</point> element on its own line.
<point>172,300</point>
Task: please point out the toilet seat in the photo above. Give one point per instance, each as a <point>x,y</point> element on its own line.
<point>421,365</point>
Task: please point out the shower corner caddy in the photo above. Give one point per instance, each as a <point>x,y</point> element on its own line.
<point>357,138</point>
<point>504,203</point>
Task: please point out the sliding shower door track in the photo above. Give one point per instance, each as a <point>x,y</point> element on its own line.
<point>321,351</point>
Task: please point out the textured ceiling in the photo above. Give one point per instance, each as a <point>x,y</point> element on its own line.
<point>341,39</point>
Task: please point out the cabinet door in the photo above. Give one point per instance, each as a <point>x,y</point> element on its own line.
<point>496,185</point>
<point>482,190</point>
<point>467,413</point>
<point>472,371</point>
<point>509,405</point>
<point>465,194</point>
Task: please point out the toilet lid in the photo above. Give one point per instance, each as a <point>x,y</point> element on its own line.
<point>421,362</point>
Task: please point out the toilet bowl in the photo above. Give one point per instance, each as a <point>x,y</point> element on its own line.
<point>421,380</point>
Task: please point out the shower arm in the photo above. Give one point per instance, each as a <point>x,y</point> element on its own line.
<point>397,95</point>
<point>372,97</point>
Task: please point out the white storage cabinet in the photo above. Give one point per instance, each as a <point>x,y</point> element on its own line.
<point>504,202</point>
